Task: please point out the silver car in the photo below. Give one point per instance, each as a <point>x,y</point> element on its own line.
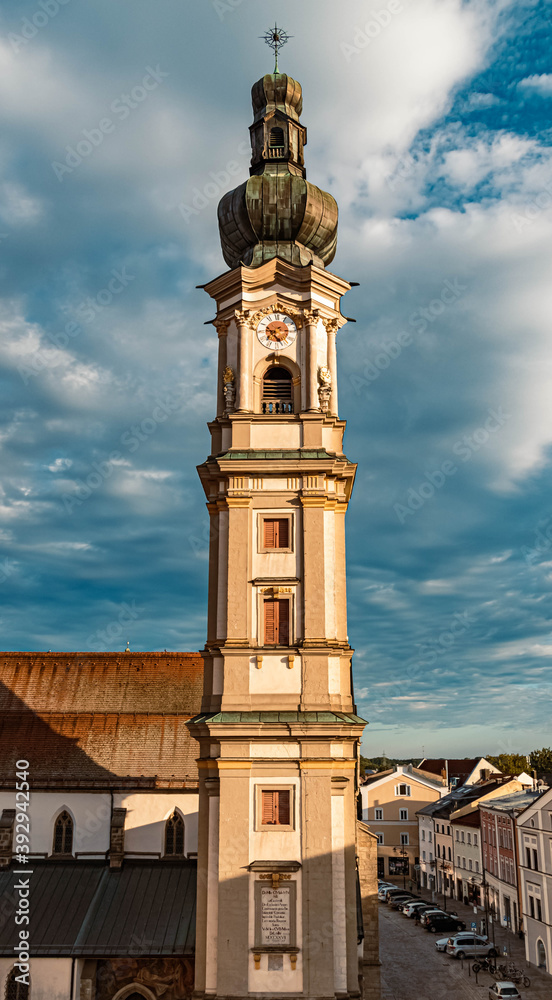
<point>470,945</point>
<point>504,991</point>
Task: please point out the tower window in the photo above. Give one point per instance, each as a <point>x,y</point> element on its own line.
<point>277,394</point>
<point>15,990</point>
<point>276,622</point>
<point>63,834</point>
<point>174,836</point>
<point>275,806</point>
<point>276,532</point>
<point>276,138</point>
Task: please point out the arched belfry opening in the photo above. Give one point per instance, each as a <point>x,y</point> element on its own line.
<point>276,138</point>
<point>277,391</point>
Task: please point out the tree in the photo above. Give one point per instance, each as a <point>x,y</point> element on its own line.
<point>509,763</point>
<point>541,760</point>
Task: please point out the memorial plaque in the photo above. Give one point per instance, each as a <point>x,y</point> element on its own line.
<point>276,915</point>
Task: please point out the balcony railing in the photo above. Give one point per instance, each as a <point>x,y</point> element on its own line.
<point>276,407</point>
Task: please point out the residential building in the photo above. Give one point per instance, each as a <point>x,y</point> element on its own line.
<point>459,771</point>
<point>390,801</point>
<point>500,860</point>
<point>534,839</point>
<point>440,871</point>
<point>467,855</point>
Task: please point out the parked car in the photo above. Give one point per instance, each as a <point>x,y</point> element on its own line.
<point>446,922</point>
<point>429,913</point>
<point>398,901</point>
<point>470,945</point>
<point>502,990</point>
<point>385,893</point>
<point>417,906</point>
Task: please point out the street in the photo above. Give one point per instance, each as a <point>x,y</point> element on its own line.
<point>413,969</point>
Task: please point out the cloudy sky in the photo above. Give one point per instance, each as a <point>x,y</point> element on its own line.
<point>429,121</point>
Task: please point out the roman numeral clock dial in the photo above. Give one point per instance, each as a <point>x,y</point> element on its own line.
<point>276,331</point>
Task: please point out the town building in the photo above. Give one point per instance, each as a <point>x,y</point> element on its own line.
<point>390,801</point>
<point>534,841</point>
<point>467,855</point>
<point>438,872</point>
<point>500,856</point>
<point>184,842</point>
<point>459,771</point>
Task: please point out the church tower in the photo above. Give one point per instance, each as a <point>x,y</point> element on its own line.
<point>278,732</point>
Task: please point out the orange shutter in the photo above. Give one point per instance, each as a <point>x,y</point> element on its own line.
<point>270,622</point>
<point>269,534</point>
<point>283,623</point>
<point>268,817</point>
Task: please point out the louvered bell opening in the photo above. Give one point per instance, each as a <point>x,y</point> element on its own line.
<point>276,138</point>
<point>277,392</point>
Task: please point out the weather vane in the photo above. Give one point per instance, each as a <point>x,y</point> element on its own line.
<point>276,37</point>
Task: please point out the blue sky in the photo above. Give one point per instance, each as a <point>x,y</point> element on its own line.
<point>429,121</point>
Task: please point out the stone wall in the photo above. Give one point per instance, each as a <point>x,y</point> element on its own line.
<point>369,971</point>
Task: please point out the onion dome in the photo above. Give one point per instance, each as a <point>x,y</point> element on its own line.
<point>277,212</point>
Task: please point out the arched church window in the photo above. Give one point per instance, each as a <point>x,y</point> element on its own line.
<point>63,834</point>
<point>174,836</point>
<point>276,138</point>
<point>15,990</point>
<point>277,394</point>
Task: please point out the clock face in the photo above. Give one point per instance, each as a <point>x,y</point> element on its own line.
<point>276,331</point>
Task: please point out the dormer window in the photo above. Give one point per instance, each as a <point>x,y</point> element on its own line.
<point>277,395</point>
<point>276,138</point>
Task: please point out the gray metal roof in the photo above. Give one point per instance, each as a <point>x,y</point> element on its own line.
<point>80,908</point>
<point>268,717</point>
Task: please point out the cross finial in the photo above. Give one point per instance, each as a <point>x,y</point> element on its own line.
<point>276,37</point>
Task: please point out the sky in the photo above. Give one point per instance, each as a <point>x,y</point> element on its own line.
<point>429,122</point>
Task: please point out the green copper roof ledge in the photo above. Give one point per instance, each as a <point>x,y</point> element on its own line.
<point>229,718</point>
<point>304,453</point>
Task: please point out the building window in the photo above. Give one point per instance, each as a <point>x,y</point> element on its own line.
<point>423,834</point>
<point>275,533</point>
<point>477,866</point>
<point>378,813</point>
<point>274,808</point>
<point>174,835</point>
<point>535,860</point>
<point>475,840</point>
<point>276,622</point>
<point>404,840</point>
<point>63,834</point>
<point>463,835</point>
<point>539,909</point>
<point>15,990</point>
<point>438,850</point>
<point>458,860</point>
<point>450,854</point>
<point>380,838</point>
<point>532,906</point>
<point>423,855</point>
<point>469,838</point>
<point>429,836</point>
<point>463,862</point>
<point>470,864</point>
<point>277,395</point>
<point>457,836</point>
<point>448,830</point>
<point>402,790</point>
<point>403,814</point>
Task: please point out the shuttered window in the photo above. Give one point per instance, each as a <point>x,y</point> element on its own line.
<point>276,622</point>
<point>275,807</point>
<point>276,533</point>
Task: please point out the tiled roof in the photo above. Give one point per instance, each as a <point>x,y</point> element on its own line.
<point>101,682</point>
<point>98,748</point>
<point>458,768</point>
<point>93,719</point>
<point>81,908</point>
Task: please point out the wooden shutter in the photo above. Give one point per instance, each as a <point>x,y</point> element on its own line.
<point>268,808</point>
<point>276,533</point>
<point>269,527</point>
<point>276,623</point>
<point>283,807</point>
<point>283,623</point>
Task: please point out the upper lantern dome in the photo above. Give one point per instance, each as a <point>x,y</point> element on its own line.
<point>277,212</point>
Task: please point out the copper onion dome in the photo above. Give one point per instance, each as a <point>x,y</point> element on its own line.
<point>277,212</point>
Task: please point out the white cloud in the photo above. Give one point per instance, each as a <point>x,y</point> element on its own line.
<point>538,83</point>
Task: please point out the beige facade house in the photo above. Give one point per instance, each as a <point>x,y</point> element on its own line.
<point>278,732</point>
<point>390,803</point>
